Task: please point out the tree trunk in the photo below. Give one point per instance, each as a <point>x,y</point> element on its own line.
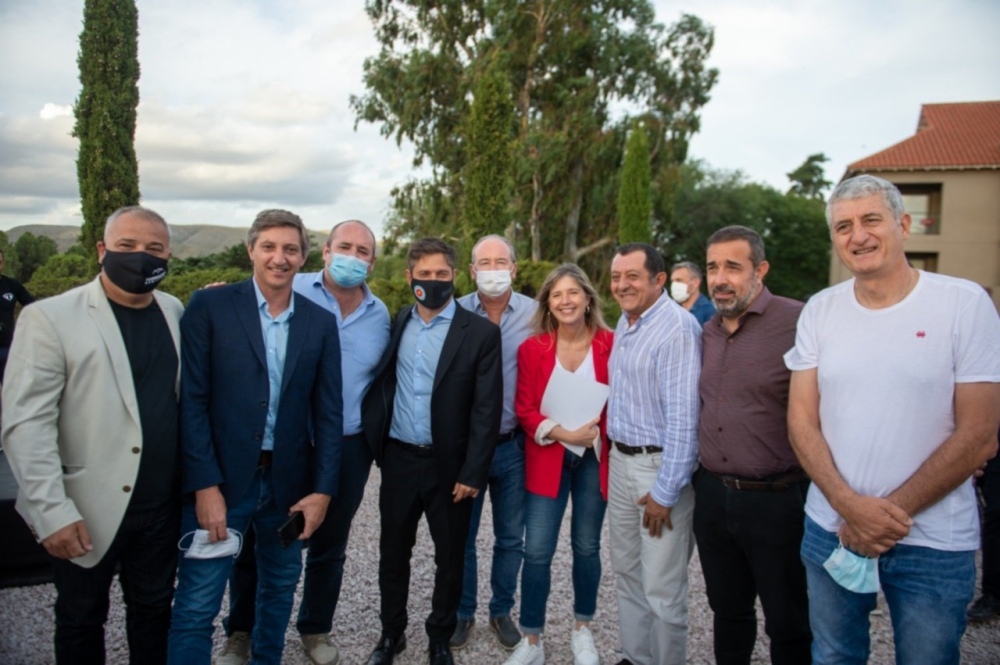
<point>573,218</point>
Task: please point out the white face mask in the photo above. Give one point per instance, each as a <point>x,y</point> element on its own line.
<point>855,573</point>
<point>493,283</point>
<point>679,291</point>
<point>200,548</point>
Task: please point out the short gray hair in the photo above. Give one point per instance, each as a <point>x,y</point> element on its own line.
<point>690,266</point>
<point>137,211</point>
<point>861,186</point>
<point>494,236</point>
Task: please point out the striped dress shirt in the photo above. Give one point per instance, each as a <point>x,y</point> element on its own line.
<point>654,370</point>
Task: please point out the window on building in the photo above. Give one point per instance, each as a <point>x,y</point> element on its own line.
<point>926,261</point>
<point>923,203</point>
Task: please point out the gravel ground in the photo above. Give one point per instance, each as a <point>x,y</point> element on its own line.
<point>26,614</point>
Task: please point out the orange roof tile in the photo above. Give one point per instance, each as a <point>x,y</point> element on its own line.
<point>963,135</point>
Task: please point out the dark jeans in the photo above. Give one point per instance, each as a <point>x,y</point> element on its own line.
<point>990,486</point>
<point>507,495</point>
<point>410,488</point>
<point>748,543</point>
<point>146,548</point>
<point>325,557</point>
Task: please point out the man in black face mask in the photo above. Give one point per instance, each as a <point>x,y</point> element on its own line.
<point>90,429</point>
<point>432,418</point>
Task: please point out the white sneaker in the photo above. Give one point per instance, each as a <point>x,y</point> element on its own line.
<point>236,650</point>
<point>584,652</point>
<point>320,649</point>
<point>527,654</point>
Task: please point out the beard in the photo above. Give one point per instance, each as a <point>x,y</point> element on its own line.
<point>735,308</point>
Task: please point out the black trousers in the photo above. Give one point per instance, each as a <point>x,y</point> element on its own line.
<point>990,486</point>
<point>748,543</point>
<point>410,488</point>
<point>146,549</point>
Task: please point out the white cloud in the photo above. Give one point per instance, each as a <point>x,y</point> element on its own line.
<point>50,111</point>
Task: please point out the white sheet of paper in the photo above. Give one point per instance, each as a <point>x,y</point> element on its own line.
<point>573,402</point>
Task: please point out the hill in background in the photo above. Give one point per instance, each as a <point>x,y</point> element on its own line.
<point>185,240</point>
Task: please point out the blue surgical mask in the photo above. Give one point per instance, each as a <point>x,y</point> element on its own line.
<point>855,573</point>
<point>347,270</point>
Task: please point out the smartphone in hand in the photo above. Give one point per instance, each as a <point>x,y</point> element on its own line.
<point>290,531</point>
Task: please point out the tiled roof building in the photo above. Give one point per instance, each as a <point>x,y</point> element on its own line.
<point>949,174</point>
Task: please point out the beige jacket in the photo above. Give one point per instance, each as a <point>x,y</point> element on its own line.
<point>71,427</point>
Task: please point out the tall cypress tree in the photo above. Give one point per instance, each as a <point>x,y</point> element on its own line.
<point>634,201</point>
<point>106,167</point>
<point>488,172</point>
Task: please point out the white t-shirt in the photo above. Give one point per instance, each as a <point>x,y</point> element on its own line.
<point>887,384</point>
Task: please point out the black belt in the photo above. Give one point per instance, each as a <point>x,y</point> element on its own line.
<point>509,436</point>
<point>777,483</point>
<point>264,460</point>
<point>413,449</point>
<point>625,449</point>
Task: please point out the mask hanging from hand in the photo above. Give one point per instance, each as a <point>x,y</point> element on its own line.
<point>851,571</point>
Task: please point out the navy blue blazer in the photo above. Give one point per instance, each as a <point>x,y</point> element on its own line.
<point>224,396</point>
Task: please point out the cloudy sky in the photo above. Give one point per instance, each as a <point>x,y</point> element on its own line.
<point>244,103</point>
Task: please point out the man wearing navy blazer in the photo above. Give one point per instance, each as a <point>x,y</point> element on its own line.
<point>432,418</point>
<point>261,429</point>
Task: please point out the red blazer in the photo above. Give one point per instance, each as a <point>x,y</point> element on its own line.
<point>536,358</point>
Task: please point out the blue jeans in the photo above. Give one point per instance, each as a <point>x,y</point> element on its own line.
<point>927,591</point>
<point>201,583</point>
<point>506,485</point>
<point>325,556</point>
<point>581,478</point>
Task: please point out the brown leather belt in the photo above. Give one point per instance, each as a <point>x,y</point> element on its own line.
<point>625,449</point>
<point>413,449</point>
<point>264,460</point>
<point>777,483</point>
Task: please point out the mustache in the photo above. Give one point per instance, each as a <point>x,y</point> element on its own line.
<point>723,289</point>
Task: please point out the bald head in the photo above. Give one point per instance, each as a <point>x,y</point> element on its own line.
<point>135,212</point>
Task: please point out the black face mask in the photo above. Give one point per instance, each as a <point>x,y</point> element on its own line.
<point>432,293</point>
<point>134,272</point>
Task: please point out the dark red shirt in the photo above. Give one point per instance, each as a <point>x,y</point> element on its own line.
<point>743,429</point>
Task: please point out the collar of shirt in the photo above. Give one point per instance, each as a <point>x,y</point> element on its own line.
<point>655,310</point>
<point>313,287</point>
<point>262,305</point>
<point>446,314</point>
<point>477,304</point>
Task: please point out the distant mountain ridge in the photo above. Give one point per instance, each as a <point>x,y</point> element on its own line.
<point>185,240</point>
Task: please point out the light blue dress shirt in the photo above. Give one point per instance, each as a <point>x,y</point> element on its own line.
<point>275,330</point>
<point>654,370</point>
<point>416,365</point>
<point>364,334</point>
<point>515,327</point>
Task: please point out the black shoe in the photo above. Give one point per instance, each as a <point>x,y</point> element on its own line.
<point>387,649</point>
<point>986,608</point>
<point>440,654</point>
<point>462,631</point>
<point>506,631</point>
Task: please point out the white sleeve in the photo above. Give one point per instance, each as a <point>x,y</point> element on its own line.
<point>977,342</point>
<point>805,353</point>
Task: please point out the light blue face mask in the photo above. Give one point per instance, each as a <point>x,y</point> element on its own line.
<point>855,573</point>
<point>347,270</point>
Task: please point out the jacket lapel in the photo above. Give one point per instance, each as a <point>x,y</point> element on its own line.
<point>452,342</point>
<point>245,304</point>
<point>298,326</point>
<point>107,325</point>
